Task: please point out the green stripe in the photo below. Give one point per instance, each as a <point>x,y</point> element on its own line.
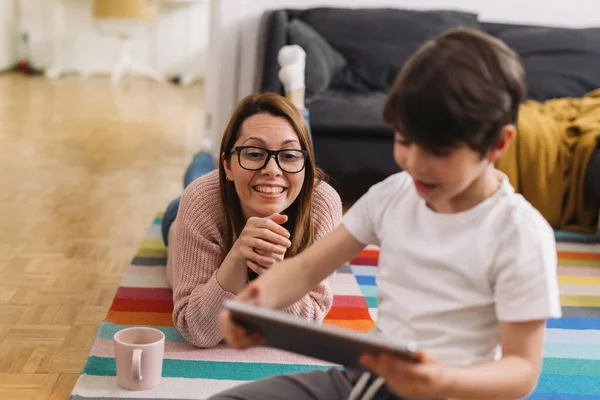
<point>371,302</point>
<point>101,366</point>
<point>567,262</point>
<point>571,366</point>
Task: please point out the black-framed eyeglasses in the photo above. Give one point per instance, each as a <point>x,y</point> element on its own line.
<point>254,158</point>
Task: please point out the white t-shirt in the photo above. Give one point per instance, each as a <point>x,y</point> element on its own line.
<point>446,280</point>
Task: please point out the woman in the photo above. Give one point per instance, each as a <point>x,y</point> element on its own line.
<point>267,201</point>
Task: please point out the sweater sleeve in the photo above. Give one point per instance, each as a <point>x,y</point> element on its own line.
<point>327,214</point>
<point>195,254</point>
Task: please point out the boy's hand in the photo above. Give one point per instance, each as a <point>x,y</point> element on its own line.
<point>236,335</point>
<point>427,378</point>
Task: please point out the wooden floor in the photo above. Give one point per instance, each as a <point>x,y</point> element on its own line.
<point>84,168</point>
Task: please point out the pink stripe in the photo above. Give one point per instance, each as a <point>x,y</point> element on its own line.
<point>144,293</point>
<point>349,301</point>
<point>579,271</point>
<point>344,279</point>
<point>185,351</point>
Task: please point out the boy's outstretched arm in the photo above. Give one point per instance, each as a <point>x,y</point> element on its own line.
<point>512,377</point>
<point>289,280</point>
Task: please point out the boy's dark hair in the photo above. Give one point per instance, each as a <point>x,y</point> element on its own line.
<point>459,88</point>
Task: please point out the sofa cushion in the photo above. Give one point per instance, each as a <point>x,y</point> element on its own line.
<point>377,42</point>
<point>348,113</point>
<point>559,62</point>
<point>322,60</point>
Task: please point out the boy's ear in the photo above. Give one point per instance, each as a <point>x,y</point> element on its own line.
<point>507,134</point>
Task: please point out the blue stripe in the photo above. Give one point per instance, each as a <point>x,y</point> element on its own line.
<point>574,323</point>
<point>107,330</point>
<point>576,237</point>
<point>365,280</point>
<point>559,396</point>
<point>368,291</point>
<point>569,384</point>
<point>581,337</point>
<point>371,302</point>
<point>194,369</point>
<point>572,350</point>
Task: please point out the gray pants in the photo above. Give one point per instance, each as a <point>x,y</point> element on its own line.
<point>332,384</point>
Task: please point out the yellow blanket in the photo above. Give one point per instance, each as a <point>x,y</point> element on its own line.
<point>548,159</point>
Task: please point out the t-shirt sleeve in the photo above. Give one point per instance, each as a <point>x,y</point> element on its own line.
<point>524,277</point>
<point>359,219</point>
<point>364,218</point>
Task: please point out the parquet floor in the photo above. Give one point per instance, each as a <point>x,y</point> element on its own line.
<point>84,168</point>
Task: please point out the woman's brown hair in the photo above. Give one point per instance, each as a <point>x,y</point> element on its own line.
<point>300,216</point>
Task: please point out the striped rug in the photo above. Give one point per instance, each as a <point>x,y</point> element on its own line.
<point>572,349</point>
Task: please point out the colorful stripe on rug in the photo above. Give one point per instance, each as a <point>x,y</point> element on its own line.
<point>571,355</point>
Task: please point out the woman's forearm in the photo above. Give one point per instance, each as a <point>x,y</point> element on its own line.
<point>232,274</point>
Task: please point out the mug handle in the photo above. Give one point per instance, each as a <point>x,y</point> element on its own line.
<point>136,364</point>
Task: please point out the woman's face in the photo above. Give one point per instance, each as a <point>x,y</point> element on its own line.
<point>268,190</point>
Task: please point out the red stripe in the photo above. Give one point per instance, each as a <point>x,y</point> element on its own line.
<point>139,318</point>
<point>142,305</point>
<point>372,262</point>
<point>349,301</point>
<point>144,293</point>
<point>369,253</point>
<point>361,325</point>
<point>348,313</point>
<point>572,255</point>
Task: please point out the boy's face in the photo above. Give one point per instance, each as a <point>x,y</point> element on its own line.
<point>443,178</point>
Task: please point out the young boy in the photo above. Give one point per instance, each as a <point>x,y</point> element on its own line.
<point>467,267</point>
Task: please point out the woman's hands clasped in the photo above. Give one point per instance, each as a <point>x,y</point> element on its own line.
<point>263,242</point>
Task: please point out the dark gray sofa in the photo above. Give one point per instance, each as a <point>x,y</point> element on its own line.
<point>354,54</point>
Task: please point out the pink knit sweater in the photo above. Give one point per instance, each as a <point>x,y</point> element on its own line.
<point>196,241</point>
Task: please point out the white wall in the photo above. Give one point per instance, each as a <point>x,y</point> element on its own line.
<point>234,51</point>
<point>170,48</point>
<point>8,37</point>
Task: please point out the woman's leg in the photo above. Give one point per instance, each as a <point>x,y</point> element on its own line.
<point>292,61</point>
<point>169,218</point>
<point>306,115</point>
<point>202,163</point>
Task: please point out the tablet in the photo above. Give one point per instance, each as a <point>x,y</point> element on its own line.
<point>324,342</point>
